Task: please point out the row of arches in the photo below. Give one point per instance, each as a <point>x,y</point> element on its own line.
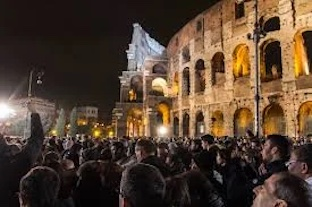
<point>270,63</point>
<point>274,121</point>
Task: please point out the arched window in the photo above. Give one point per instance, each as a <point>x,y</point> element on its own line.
<point>200,124</point>
<point>186,125</point>
<point>159,87</point>
<point>136,89</point>
<point>217,69</point>
<point>199,76</point>
<point>159,69</point>
<point>243,120</point>
<point>186,82</point>
<point>274,120</point>
<point>241,62</point>
<point>271,61</point>
<point>303,53</point>
<point>272,24</point>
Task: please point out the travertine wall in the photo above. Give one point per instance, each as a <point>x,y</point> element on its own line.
<point>221,32</point>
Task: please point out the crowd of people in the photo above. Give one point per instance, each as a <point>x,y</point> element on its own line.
<point>154,172</point>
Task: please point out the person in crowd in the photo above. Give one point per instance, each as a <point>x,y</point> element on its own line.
<point>283,190</point>
<point>39,188</point>
<point>142,185</point>
<point>300,163</point>
<point>177,192</point>
<point>275,152</point>
<point>201,191</point>
<point>145,151</point>
<point>14,165</point>
<point>235,183</point>
<point>119,152</point>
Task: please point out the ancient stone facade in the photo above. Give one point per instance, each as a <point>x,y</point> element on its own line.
<point>210,71</point>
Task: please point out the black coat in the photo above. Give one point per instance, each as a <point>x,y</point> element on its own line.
<point>158,163</point>
<point>14,166</point>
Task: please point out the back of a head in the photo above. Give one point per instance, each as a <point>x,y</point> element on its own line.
<point>39,187</point>
<point>143,185</point>
<point>147,145</point>
<point>282,143</point>
<point>292,189</point>
<point>208,138</point>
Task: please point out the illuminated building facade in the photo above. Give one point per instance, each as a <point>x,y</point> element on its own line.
<point>86,114</point>
<point>208,80</point>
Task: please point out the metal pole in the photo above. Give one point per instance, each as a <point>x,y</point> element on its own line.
<point>30,83</point>
<point>256,39</point>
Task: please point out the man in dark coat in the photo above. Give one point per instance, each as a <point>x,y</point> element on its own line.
<point>13,166</point>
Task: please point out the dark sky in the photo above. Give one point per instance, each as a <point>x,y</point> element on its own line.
<point>80,44</point>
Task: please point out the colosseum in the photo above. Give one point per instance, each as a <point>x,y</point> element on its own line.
<point>204,80</point>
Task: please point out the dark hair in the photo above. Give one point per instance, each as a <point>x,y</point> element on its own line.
<point>177,192</point>
<point>147,145</point>
<point>39,187</point>
<point>292,189</point>
<point>208,138</point>
<point>304,154</point>
<point>143,185</point>
<point>282,143</point>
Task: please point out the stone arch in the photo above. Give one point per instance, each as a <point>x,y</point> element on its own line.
<point>303,52</point>
<point>305,118</point>
<point>272,24</point>
<point>135,122</point>
<point>200,76</point>
<point>176,123</point>
<point>163,114</point>
<point>274,120</point>
<point>186,82</point>
<point>159,69</point>
<point>159,87</point>
<point>241,61</point>
<point>199,123</point>
<point>217,123</point>
<point>136,89</point>
<point>243,120</point>
<point>175,85</point>
<point>271,60</point>
<point>217,69</point>
<point>186,125</point>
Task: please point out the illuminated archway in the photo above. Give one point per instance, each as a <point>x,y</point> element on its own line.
<point>186,82</point>
<point>274,120</point>
<point>305,118</point>
<point>217,124</point>
<point>175,85</point>
<point>217,69</point>
<point>199,124</point>
<point>135,122</point>
<point>176,126</point>
<point>163,110</point>
<point>186,125</point>
<point>303,53</point>
<point>271,61</point>
<point>200,76</point>
<point>159,87</point>
<point>159,69</point>
<point>241,62</point>
<point>136,89</point>
<point>243,120</point>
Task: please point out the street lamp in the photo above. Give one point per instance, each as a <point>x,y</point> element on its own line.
<point>39,75</point>
<point>162,131</point>
<point>257,34</point>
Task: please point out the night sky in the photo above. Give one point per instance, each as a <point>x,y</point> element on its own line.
<point>80,44</point>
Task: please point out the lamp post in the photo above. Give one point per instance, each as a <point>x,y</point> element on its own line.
<point>257,34</point>
<point>39,75</point>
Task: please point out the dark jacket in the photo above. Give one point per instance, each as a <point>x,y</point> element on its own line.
<point>158,163</point>
<point>14,167</point>
<point>272,167</point>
